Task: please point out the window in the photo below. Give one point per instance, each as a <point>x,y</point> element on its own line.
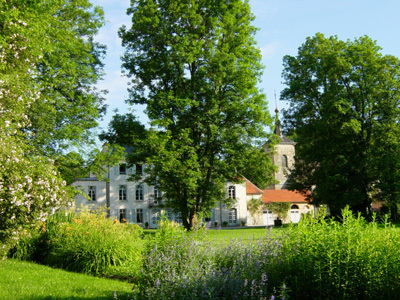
<point>139,169</point>
<point>122,215</point>
<point>284,161</point>
<point>139,193</point>
<point>232,216</point>
<point>157,194</point>
<point>122,169</point>
<point>92,193</point>
<point>231,192</point>
<point>139,215</point>
<point>294,206</point>
<point>122,193</point>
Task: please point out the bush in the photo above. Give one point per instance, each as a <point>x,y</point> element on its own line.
<point>185,265</point>
<point>350,259</point>
<point>86,242</point>
<point>314,259</point>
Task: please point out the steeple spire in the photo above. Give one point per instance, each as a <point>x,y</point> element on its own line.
<point>278,128</point>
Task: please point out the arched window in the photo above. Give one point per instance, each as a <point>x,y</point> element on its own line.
<point>231,192</point>
<point>284,161</point>
<point>294,206</point>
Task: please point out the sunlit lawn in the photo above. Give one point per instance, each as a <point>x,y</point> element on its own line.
<point>23,280</point>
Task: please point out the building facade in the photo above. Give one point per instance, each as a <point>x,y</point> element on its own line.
<point>137,202</point>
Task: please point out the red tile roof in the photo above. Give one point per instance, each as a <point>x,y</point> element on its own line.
<point>252,188</point>
<point>283,196</point>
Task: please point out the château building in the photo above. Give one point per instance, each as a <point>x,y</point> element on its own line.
<point>137,202</point>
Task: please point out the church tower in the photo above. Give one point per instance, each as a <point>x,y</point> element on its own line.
<point>283,157</point>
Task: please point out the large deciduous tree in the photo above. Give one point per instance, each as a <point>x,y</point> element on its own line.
<point>344,108</point>
<point>44,48</point>
<point>195,66</point>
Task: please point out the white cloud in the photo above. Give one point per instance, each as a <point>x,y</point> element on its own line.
<point>269,50</point>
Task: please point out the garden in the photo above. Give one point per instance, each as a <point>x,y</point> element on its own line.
<point>318,258</point>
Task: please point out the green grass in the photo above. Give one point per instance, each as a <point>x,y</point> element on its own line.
<point>23,280</point>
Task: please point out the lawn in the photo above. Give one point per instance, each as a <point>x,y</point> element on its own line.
<point>23,280</point>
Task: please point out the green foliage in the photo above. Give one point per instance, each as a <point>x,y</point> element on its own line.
<point>196,66</point>
<point>254,206</point>
<point>193,267</point>
<point>350,259</point>
<point>48,64</point>
<point>281,209</point>
<point>344,111</point>
<point>86,242</point>
<point>101,161</point>
<point>317,258</point>
<point>166,232</point>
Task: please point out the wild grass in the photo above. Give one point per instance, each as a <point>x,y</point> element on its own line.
<point>24,280</point>
<point>315,259</point>
<point>86,242</point>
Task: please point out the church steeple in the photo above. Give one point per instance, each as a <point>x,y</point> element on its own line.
<point>278,128</point>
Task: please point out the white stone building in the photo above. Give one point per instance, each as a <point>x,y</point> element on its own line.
<point>137,202</point>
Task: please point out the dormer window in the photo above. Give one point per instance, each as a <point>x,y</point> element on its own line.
<point>122,169</point>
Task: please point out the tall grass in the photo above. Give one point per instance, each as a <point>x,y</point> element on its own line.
<point>86,242</point>
<point>350,259</point>
<point>190,266</point>
<point>316,259</point>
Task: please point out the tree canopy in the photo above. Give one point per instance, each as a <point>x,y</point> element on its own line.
<point>48,64</point>
<point>195,66</point>
<point>344,110</point>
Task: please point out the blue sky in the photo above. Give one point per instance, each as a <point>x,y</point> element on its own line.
<point>283,27</point>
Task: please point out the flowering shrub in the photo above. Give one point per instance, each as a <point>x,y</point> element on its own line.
<point>190,267</point>
<point>30,190</point>
<point>315,259</point>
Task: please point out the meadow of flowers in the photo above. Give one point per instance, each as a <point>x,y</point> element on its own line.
<point>316,259</point>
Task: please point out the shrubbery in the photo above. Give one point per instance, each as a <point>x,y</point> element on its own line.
<point>350,259</point>
<point>86,242</point>
<point>189,266</point>
<point>315,259</point>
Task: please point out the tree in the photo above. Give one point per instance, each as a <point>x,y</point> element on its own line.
<point>66,72</point>
<point>281,209</point>
<point>344,109</point>
<point>30,186</point>
<point>195,66</point>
